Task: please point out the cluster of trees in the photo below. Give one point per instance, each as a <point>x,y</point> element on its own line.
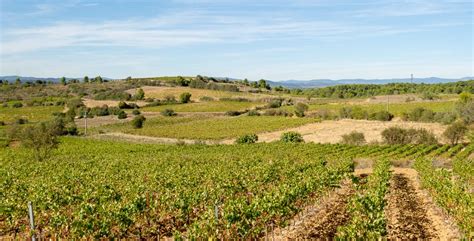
<point>359,114</point>
<point>367,90</point>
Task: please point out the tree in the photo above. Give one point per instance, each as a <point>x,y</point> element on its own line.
<point>63,80</point>
<point>138,121</point>
<point>41,138</point>
<point>455,132</point>
<point>185,97</point>
<point>86,79</point>
<point>300,108</point>
<point>168,112</point>
<point>18,81</point>
<point>98,79</point>
<point>140,94</point>
<point>262,84</point>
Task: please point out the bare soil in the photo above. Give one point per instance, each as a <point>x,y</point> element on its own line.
<point>332,131</point>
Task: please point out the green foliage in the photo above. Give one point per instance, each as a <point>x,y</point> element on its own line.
<point>168,112</point>
<point>185,97</point>
<point>136,112</point>
<point>354,138</point>
<point>233,113</point>
<point>41,138</point>
<point>139,95</point>
<point>17,105</point>
<point>253,113</point>
<point>291,137</point>
<point>367,207</point>
<point>449,191</point>
<point>381,116</point>
<point>247,139</point>
<point>300,108</point>
<point>138,121</point>
<point>397,135</point>
<point>367,90</point>
<point>455,132</point>
<point>122,115</point>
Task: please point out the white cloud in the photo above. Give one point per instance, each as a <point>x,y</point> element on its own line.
<point>185,28</point>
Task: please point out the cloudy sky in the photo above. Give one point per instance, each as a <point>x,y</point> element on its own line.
<point>271,39</point>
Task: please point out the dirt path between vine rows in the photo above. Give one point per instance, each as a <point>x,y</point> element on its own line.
<point>320,221</point>
<point>411,212</point>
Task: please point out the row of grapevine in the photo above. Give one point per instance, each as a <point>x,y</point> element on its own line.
<point>450,192</point>
<point>367,207</point>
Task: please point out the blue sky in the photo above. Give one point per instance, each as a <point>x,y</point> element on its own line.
<point>271,39</point>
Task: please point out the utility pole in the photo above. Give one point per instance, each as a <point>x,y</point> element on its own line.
<point>85,123</point>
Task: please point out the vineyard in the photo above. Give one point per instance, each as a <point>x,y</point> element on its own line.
<point>93,189</point>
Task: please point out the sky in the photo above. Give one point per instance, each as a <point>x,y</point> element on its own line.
<point>254,39</point>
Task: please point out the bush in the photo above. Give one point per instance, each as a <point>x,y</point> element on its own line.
<point>277,112</point>
<point>138,121</point>
<point>247,139</point>
<point>136,112</point>
<point>168,112</point>
<point>233,113</point>
<point>139,95</point>
<point>21,121</point>
<point>122,115</point>
<point>185,97</point>
<point>300,108</point>
<point>125,105</point>
<point>397,135</point>
<point>253,113</point>
<point>455,132</point>
<point>2,123</point>
<point>381,116</point>
<point>293,137</point>
<point>41,138</point>
<point>275,103</point>
<point>17,105</point>
<point>354,138</point>
<point>353,113</point>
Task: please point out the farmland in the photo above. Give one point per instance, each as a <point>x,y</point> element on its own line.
<point>203,128</point>
<point>245,164</point>
<point>82,191</point>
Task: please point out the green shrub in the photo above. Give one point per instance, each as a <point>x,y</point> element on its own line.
<point>277,112</point>
<point>291,137</point>
<point>21,121</point>
<point>455,132</point>
<point>247,139</point>
<point>185,97</point>
<point>275,103</point>
<point>17,105</point>
<point>354,138</point>
<point>381,116</point>
<point>136,112</point>
<point>168,112</point>
<point>397,135</point>
<point>253,113</point>
<point>300,108</point>
<point>139,95</point>
<point>233,113</point>
<point>122,115</point>
<point>138,121</point>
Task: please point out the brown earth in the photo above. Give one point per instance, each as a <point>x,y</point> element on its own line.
<point>332,131</point>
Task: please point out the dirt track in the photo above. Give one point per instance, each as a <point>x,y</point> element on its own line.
<point>410,213</point>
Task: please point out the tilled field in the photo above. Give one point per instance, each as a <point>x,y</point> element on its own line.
<point>406,215</point>
<point>322,220</point>
<point>410,213</point>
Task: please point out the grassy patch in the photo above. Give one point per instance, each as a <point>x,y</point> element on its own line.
<point>209,128</point>
<point>32,114</point>
<point>211,106</point>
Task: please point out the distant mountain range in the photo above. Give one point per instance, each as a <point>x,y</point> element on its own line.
<point>316,83</point>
